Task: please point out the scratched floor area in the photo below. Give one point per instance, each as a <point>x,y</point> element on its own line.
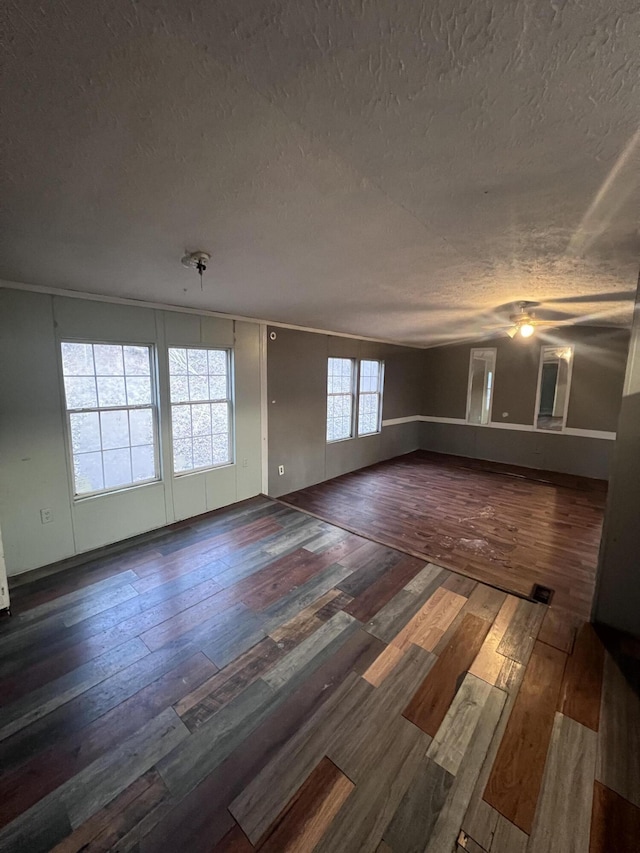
<point>262,680</point>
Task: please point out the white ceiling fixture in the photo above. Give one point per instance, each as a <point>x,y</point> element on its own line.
<point>196,261</point>
<point>386,169</point>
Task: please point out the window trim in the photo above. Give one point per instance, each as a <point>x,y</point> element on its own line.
<point>473,350</point>
<point>356,366</point>
<point>353,394</point>
<point>565,411</point>
<point>231,411</point>
<point>378,394</point>
<point>154,406</point>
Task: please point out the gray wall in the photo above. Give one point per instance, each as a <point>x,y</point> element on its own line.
<point>617,598</point>
<point>594,402</point>
<point>34,464</point>
<point>596,387</point>
<point>297,395</point>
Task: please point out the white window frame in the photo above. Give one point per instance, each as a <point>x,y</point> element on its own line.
<point>157,455</point>
<point>230,400</point>
<point>377,393</point>
<point>356,369</point>
<point>539,389</point>
<point>494,353</point>
<point>352,394</point>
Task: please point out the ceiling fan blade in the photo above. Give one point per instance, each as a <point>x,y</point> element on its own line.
<point>614,296</point>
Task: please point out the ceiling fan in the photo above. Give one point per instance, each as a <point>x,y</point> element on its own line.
<point>524,322</point>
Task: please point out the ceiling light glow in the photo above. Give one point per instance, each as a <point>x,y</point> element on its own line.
<point>526,330</point>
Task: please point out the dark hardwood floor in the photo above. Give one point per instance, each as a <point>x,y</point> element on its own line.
<point>262,680</point>
<point>489,521</point>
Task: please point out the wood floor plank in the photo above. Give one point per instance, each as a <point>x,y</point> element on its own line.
<point>428,707</point>
<point>267,794</point>
<point>199,820</point>
<point>431,621</point>
<point>107,826</point>
<point>514,783</point>
<point>582,683</point>
<point>365,606</point>
<point>519,638</point>
<point>488,662</point>
<point>405,604</point>
<point>449,821</point>
<point>479,518</point>
<point>559,628</point>
<point>416,816</point>
<point>615,822</point>
<point>310,812</point>
<point>361,821</point>
<point>235,841</point>
<point>362,741</point>
<point>619,730</point>
<point>507,838</point>
<point>383,665</point>
<point>563,816</point>
<point>202,703</point>
<point>75,747</point>
<point>454,735</point>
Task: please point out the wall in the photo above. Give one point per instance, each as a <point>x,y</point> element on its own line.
<point>34,465</point>
<point>594,402</point>
<point>297,398</point>
<point>617,597</point>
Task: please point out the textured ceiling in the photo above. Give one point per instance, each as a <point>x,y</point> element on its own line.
<point>390,169</point>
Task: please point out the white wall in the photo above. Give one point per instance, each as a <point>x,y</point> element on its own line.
<point>34,464</point>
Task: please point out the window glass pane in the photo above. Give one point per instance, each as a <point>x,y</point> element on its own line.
<point>178,362</point>
<point>115,429</point>
<point>202,457</point>
<point>182,455</point>
<point>87,468</point>
<point>108,360</point>
<point>85,432</point>
<point>80,392</point>
<point>181,421</point>
<point>201,431</point>
<point>201,419</point>
<point>136,361</point>
<point>217,362</point>
<point>117,468</point>
<point>221,449</point>
<point>77,359</point>
<point>197,362</point>
<point>143,464</point>
<point>109,378</point>
<point>198,387</point>
<point>141,426</point>
<point>138,390</point>
<point>218,387</point>
<point>219,418</point>
<point>111,391</point>
<point>179,389</point>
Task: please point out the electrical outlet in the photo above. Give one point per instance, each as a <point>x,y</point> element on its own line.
<point>46,516</point>
<point>280,470</point>
<point>245,462</point>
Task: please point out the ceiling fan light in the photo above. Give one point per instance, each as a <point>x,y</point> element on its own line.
<point>512,332</point>
<point>526,330</point>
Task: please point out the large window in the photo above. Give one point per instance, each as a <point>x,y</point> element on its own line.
<point>482,370</point>
<point>341,395</point>
<point>111,414</point>
<point>201,408</point>
<point>369,397</point>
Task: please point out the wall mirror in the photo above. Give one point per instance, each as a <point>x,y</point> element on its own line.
<point>554,380</point>
<point>482,370</point>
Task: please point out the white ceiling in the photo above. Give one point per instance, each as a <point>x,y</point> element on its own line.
<point>388,168</point>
